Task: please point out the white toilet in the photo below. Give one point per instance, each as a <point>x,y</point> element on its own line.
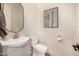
<point>38,48</point>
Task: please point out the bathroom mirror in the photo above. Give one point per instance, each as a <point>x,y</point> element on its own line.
<point>14,15</point>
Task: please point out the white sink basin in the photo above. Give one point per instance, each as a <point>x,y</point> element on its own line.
<point>22,40</point>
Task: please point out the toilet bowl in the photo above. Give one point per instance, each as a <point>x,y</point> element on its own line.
<point>39,49</point>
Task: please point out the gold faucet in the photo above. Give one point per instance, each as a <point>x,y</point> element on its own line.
<point>15,35</point>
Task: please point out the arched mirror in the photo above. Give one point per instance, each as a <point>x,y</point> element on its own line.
<point>14,15</point>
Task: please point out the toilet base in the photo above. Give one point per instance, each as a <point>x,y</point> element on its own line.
<point>38,54</point>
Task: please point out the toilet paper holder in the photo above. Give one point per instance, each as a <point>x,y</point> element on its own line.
<point>59,38</point>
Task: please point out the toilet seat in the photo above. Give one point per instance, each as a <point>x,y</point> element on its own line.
<point>41,48</point>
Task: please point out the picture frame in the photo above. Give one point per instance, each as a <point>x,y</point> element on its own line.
<point>51,18</point>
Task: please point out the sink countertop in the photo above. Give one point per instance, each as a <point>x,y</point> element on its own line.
<point>15,42</point>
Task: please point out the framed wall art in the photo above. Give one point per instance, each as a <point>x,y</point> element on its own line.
<point>51,18</point>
